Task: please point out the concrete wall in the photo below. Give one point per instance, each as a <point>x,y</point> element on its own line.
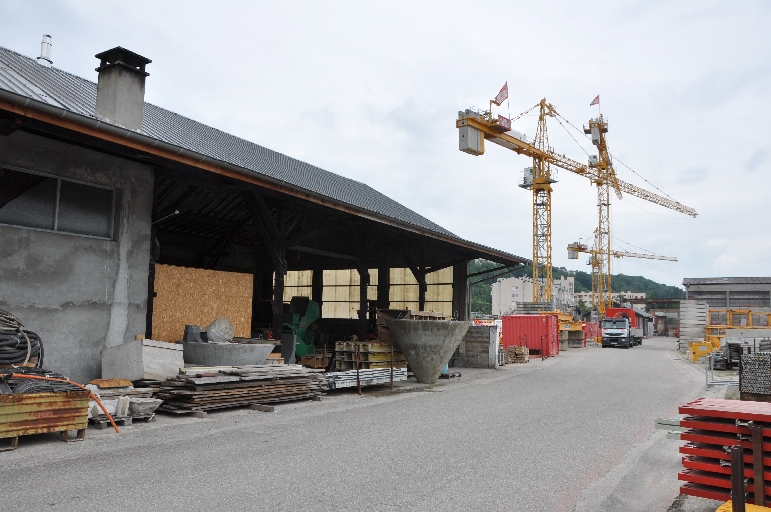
<point>79,294</point>
<point>479,348</point>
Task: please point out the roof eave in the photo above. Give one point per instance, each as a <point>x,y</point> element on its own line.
<point>40,111</point>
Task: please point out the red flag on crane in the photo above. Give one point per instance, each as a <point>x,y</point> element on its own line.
<point>502,95</point>
<point>595,101</point>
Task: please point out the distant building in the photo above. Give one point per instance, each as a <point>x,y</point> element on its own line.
<point>622,296</point>
<point>729,292</point>
<point>508,293</point>
<point>583,296</point>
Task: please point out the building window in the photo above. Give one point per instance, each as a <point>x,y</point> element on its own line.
<point>43,202</point>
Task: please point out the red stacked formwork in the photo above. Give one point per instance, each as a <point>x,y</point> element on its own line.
<point>591,331</point>
<point>539,333</point>
<point>713,427</point>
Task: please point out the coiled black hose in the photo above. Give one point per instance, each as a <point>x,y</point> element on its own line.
<point>17,345</point>
<point>19,384</point>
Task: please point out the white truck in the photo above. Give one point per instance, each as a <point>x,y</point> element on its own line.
<point>617,332</point>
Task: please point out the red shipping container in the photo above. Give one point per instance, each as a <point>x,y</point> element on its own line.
<point>617,312</point>
<point>591,331</point>
<point>539,333</point>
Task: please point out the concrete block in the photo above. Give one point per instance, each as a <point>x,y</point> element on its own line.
<point>748,333</point>
<point>142,359</point>
<point>122,407</point>
<point>143,406</point>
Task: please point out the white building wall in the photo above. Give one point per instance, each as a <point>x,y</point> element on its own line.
<point>507,293</point>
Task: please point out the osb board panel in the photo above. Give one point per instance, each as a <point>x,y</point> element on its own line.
<point>196,296</point>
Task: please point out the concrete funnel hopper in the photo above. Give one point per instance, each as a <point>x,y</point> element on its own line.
<point>427,344</point>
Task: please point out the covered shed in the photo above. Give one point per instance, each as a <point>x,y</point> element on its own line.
<point>99,190</point>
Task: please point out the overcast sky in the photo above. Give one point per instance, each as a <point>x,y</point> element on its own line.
<point>370,90</point>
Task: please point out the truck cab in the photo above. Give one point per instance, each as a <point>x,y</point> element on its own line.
<point>616,332</point>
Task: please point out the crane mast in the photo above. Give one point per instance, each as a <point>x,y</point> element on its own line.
<point>540,185</point>
<point>605,178</point>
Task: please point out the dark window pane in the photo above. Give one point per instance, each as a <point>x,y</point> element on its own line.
<point>27,199</point>
<point>85,210</point>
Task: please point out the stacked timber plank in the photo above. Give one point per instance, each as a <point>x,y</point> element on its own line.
<point>371,355</point>
<point>427,315</point>
<point>517,354</point>
<point>348,379</point>
<point>205,389</point>
<point>713,426</point>
<point>384,333</point>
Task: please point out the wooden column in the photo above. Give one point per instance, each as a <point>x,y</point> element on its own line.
<point>383,288</point>
<point>363,283</point>
<point>317,287</point>
<point>287,349</point>
<point>460,291</point>
<point>420,277</point>
<point>273,232</point>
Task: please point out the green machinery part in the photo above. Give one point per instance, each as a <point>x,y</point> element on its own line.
<point>299,324</point>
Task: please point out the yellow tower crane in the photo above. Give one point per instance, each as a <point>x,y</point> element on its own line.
<point>476,126</point>
<point>604,177</point>
<point>594,261</point>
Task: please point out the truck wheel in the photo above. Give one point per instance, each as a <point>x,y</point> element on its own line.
<point>627,344</point>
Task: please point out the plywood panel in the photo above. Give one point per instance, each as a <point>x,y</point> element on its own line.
<point>439,292</point>
<point>196,296</point>
<point>443,276</point>
<point>402,276</point>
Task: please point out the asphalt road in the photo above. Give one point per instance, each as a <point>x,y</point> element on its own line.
<point>574,432</point>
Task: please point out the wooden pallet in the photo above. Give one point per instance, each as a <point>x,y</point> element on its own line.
<point>101,422</point>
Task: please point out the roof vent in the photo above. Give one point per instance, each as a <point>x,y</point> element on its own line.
<point>45,51</point>
<point>120,92</point>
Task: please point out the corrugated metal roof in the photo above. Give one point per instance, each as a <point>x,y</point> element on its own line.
<point>726,280</point>
<point>24,76</point>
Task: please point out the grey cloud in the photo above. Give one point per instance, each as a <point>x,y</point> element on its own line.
<point>756,159</point>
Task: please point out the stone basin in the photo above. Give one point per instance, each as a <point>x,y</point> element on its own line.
<point>226,354</point>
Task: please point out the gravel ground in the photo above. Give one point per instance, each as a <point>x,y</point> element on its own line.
<point>575,432</point>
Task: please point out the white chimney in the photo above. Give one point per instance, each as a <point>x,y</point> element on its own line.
<point>120,91</point>
<point>45,51</point>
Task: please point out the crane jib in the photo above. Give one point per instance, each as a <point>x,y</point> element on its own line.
<point>563,162</point>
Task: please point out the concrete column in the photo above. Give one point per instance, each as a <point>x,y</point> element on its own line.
<point>460,291</point>
<point>727,299</point>
<point>383,288</point>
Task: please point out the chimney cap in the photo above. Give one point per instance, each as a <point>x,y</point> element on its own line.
<point>122,57</point>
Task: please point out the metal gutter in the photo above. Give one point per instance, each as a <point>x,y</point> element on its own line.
<point>93,127</point>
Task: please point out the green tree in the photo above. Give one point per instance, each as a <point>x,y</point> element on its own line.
<point>481,286</point>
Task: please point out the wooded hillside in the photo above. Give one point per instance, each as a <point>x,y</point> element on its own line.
<point>481,289</point>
